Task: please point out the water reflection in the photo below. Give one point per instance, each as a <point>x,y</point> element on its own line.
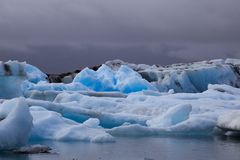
<point>149,148</point>
<point>7,155</point>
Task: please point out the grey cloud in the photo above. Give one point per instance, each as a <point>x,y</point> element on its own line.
<point>86,32</point>
<point>63,58</point>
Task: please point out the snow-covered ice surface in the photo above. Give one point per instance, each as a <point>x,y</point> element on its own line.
<point>119,99</point>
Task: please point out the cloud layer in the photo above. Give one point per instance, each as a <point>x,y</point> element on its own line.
<point>61,35</point>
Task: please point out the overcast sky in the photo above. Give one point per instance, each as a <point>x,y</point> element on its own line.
<point>63,35</point>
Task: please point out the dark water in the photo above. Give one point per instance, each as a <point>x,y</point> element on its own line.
<point>150,148</point>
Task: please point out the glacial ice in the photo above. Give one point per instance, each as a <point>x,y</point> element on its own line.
<point>22,69</point>
<point>45,86</point>
<point>127,78</point>
<point>13,74</point>
<point>77,113</point>
<point>172,116</point>
<point>180,113</point>
<point>230,120</point>
<point>189,77</point>
<point>16,127</point>
<point>124,80</point>
<point>51,125</point>
<point>119,99</point>
<point>33,149</point>
<point>100,80</point>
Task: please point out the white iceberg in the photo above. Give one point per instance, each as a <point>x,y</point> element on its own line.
<point>17,125</point>
<point>230,121</point>
<point>22,69</point>
<point>52,126</point>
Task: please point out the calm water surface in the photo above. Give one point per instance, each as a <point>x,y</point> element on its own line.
<point>150,148</point>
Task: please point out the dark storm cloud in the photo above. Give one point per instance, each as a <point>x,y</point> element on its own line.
<point>49,33</point>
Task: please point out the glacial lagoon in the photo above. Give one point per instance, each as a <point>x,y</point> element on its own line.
<point>147,148</point>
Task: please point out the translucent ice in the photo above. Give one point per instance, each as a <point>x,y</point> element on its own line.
<point>105,79</point>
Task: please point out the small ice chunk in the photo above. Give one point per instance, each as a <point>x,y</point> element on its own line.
<point>34,149</point>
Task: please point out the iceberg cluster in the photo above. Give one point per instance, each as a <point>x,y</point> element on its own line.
<point>118,99</point>
<point>124,80</point>
<point>189,77</point>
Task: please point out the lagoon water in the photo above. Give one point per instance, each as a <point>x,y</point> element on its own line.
<point>150,148</point>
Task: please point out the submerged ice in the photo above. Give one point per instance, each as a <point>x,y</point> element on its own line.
<point>118,99</point>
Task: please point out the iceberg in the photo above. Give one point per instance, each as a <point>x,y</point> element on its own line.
<point>16,127</point>
<point>12,76</point>
<point>124,80</point>
<point>52,126</point>
<point>190,77</point>
<point>101,80</point>
<point>127,81</point>
<point>185,78</point>
<point>22,69</point>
